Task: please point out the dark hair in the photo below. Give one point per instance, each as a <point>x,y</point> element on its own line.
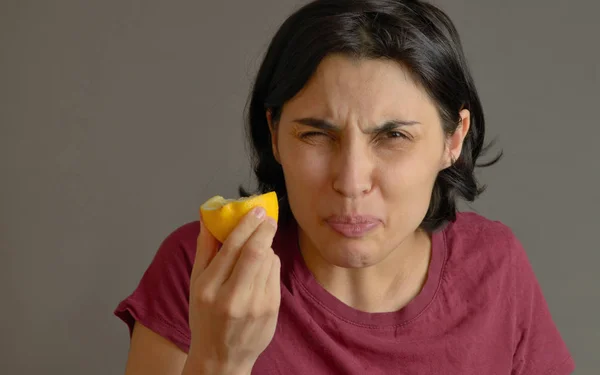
<point>416,34</point>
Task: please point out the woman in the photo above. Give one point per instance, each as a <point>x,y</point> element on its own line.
<point>365,120</point>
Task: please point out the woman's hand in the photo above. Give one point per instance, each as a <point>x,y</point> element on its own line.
<point>234,297</point>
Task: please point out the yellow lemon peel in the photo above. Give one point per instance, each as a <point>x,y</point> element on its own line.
<point>220,215</point>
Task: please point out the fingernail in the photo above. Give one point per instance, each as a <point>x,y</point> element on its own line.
<point>259,212</point>
<point>272,222</point>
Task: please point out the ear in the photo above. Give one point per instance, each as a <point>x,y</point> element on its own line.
<point>273,131</point>
<point>454,143</point>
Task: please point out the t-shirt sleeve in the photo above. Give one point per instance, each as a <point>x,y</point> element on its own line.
<point>160,300</point>
<point>538,348</point>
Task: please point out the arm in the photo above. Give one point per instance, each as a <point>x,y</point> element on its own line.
<point>158,346</point>
<point>235,324</point>
<point>232,324</point>
<point>152,354</point>
<point>539,347</point>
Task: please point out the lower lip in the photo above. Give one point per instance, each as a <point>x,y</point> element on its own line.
<point>353,230</point>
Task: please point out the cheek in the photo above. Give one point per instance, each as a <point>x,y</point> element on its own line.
<point>305,173</point>
<point>411,175</point>
<point>305,168</point>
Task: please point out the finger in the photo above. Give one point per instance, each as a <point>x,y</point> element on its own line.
<point>253,255</point>
<point>273,287</point>
<point>219,270</point>
<point>260,281</point>
<point>207,247</point>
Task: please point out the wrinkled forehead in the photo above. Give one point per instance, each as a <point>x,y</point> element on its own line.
<point>365,90</point>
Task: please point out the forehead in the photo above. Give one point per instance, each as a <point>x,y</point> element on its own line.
<point>369,89</point>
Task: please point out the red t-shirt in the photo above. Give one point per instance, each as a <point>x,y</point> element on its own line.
<point>481,311</point>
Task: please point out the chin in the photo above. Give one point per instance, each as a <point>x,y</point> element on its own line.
<point>351,253</point>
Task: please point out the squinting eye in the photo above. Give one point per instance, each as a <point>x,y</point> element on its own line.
<point>396,134</point>
<point>312,134</point>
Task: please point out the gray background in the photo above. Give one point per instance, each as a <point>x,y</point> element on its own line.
<point>118,118</point>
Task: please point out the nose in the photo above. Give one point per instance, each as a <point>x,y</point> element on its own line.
<point>352,171</point>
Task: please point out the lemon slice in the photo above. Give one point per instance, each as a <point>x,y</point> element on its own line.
<point>221,215</point>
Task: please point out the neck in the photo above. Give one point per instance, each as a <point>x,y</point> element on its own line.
<point>385,286</point>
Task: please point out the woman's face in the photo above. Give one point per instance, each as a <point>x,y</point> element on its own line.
<point>360,147</point>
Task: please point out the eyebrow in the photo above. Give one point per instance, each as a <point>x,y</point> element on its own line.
<point>328,126</point>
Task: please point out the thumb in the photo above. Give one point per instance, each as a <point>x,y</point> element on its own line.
<point>207,247</point>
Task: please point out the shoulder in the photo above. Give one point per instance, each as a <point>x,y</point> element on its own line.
<point>483,247</point>
<point>474,233</point>
<point>487,266</point>
<point>471,226</point>
<point>184,235</point>
<point>160,300</point>
<point>177,249</point>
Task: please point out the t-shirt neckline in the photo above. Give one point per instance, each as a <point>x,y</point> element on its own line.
<point>351,315</point>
